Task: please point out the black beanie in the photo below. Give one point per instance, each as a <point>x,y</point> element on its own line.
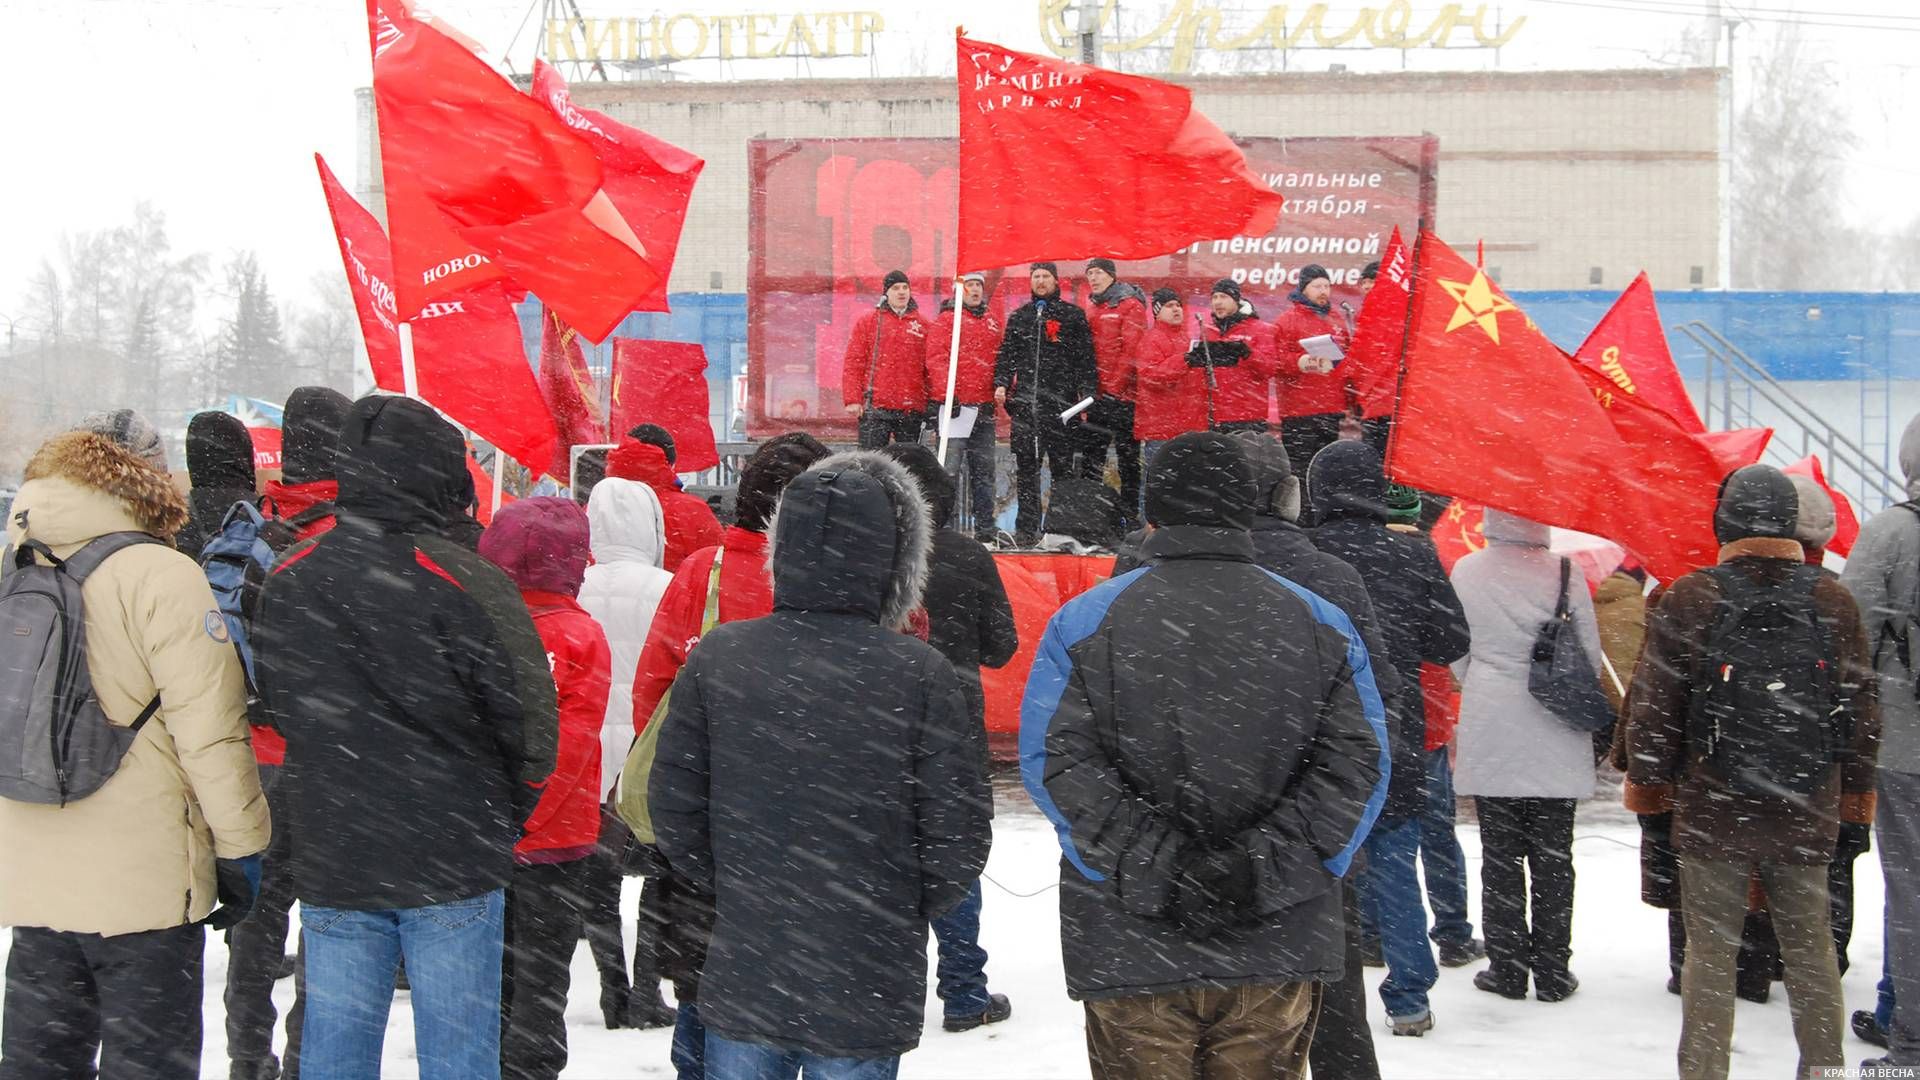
<point>894,277</point>
<point>1313,272</point>
<point>1163,296</point>
<point>310,433</point>
<point>1047,266</point>
<point>219,452</point>
<point>1201,478</point>
<point>1370,271</point>
<point>768,472</point>
<point>1756,501</point>
<point>1103,264</point>
<point>1228,286</point>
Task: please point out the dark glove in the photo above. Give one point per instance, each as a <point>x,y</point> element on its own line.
<point>1856,839</point>
<point>1212,891</point>
<point>237,882</point>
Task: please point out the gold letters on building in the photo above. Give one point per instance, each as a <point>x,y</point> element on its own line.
<point>726,37</point>
<point>1189,26</point>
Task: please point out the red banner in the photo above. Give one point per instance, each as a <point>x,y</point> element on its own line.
<point>827,218</point>
<point>665,383</point>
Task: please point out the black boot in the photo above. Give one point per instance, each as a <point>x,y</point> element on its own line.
<point>613,1006</point>
<point>646,1009</point>
<point>998,1009</point>
<point>1507,980</point>
<point>1866,1030</point>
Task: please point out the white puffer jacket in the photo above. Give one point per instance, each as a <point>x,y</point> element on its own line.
<point>621,591</point>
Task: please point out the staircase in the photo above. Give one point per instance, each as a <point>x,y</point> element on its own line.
<point>1739,393</point>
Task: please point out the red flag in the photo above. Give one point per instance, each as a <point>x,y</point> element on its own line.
<point>1630,349</point>
<point>266,447</point>
<point>1738,449</point>
<point>1112,165</point>
<point>568,389</point>
<point>1380,330</point>
<point>468,356</point>
<point>665,383</point>
<point>473,165</point>
<point>1461,530</point>
<point>648,179</point>
<point>1846,523</point>
<point>1492,411</point>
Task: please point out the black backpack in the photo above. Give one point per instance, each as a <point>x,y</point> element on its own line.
<point>1766,713</point>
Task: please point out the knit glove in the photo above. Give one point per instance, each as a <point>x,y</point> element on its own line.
<point>237,883</point>
<point>1212,892</point>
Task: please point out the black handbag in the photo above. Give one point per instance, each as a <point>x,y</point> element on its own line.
<point>1561,677</point>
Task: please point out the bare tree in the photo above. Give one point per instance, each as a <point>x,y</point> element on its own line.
<point>1791,143</point>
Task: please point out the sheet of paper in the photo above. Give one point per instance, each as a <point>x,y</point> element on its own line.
<point>1083,406</point>
<point>960,422</point>
<point>1323,347</point>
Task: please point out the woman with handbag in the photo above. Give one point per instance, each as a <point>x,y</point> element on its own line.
<point>1525,746</point>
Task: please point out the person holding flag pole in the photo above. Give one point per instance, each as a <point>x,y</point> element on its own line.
<point>964,366</point>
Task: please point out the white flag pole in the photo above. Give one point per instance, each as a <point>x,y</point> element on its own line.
<point>953,364</point>
<point>410,382</point>
<point>499,471</point>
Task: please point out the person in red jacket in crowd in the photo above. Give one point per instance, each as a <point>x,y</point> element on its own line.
<point>1117,311</point>
<point>1315,394</point>
<point>647,455</point>
<point>682,912</point>
<point>541,543</point>
<point>884,378</point>
<point>1172,395</point>
<point>980,334</point>
<point>1236,348</point>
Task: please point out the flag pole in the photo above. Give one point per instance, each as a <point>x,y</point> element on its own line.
<point>409,380</point>
<point>499,471</point>
<point>953,365</point>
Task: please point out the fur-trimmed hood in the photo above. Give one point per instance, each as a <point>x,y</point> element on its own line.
<point>81,485</point>
<point>852,534</point>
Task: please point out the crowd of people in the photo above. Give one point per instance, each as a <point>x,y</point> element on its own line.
<point>450,744</point>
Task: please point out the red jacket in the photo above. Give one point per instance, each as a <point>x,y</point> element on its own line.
<point>1302,394</point>
<point>900,377</point>
<point>979,344</point>
<point>566,823</point>
<point>1442,702</point>
<point>1118,325</point>
<point>1240,390</point>
<point>746,592</point>
<point>1171,398</point>
<point>690,521</point>
<point>290,501</point>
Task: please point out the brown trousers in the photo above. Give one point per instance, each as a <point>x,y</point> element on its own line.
<point>1713,897</point>
<point>1241,1033</point>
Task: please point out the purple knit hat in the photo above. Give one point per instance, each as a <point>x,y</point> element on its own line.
<point>541,543</point>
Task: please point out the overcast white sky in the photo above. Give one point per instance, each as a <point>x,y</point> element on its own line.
<point>212,108</point>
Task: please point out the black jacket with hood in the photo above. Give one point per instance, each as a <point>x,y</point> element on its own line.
<point>1413,599</point>
<point>1046,362</point>
<point>408,679</point>
<point>220,470</point>
<point>818,768</point>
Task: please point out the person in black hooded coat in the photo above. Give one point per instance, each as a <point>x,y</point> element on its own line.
<point>1045,366</point>
<point>1424,622</point>
<point>819,770</point>
<point>220,468</point>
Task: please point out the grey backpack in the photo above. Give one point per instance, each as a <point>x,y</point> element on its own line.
<point>55,743</point>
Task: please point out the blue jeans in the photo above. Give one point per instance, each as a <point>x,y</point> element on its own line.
<point>976,451</point>
<point>1390,888</point>
<point>731,1060</point>
<point>452,952</point>
<point>1440,855</point>
<point>962,969</point>
<point>689,1052</point>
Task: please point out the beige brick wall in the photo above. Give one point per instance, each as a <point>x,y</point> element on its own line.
<point>1559,172</point>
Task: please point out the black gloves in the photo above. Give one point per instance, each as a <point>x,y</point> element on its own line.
<point>1212,891</point>
<point>237,882</point>
<point>1856,839</point>
<point>1217,353</point>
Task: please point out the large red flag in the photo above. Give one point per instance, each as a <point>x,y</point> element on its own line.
<point>466,157</point>
<point>665,383</point>
<point>1492,411</point>
<point>1630,349</point>
<point>1846,523</point>
<point>1381,329</point>
<point>1083,162</point>
<point>567,386</point>
<point>468,357</point>
<point>648,179</point>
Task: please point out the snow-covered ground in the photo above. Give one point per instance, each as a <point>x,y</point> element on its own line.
<point>1622,1023</point>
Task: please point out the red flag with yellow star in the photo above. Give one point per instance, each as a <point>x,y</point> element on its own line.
<point>1493,412</point>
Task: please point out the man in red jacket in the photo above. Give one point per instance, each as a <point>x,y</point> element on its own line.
<point>884,379</point>
<point>542,545</point>
<point>1117,310</point>
<point>1315,394</point>
<point>980,334</point>
<point>1237,348</point>
<point>1172,394</point>
<point>690,521</point>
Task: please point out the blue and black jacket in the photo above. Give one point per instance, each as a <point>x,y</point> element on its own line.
<point>1202,700</point>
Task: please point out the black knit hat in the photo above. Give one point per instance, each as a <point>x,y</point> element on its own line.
<point>1103,264</point>
<point>935,482</point>
<point>1756,501</point>
<point>1228,286</point>
<point>1162,296</point>
<point>1047,266</point>
<point>1370,271</point>
<point>1201,478</point>
<point>1313,272</point>
<point>894,277</point>
<point>768,472</point>
<point>310,433</point>
<point>219,452</point>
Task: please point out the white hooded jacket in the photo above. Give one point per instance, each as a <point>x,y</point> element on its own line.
<point>621,590</point>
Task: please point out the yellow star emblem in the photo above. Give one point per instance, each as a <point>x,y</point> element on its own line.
<point>1478,304</point>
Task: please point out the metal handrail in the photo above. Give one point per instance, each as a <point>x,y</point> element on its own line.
<point>1876,487</point>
